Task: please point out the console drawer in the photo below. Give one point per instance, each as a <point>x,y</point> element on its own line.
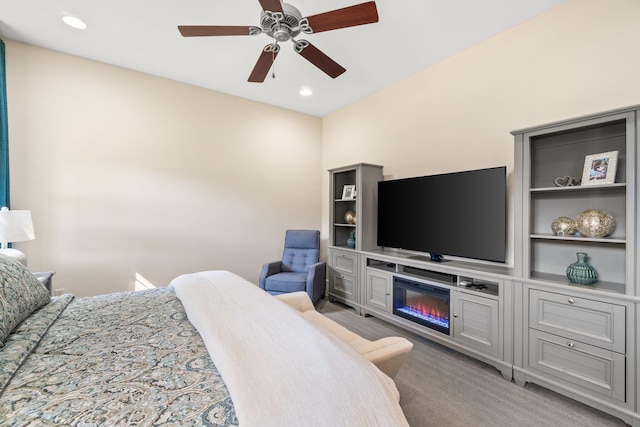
<point>343,274</point>
<point>584,365</point>
<point>343,285</point>
<point>343,262</point>
<point>598,323</point>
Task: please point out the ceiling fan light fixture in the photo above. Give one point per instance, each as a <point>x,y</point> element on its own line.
<point>74,22</point>
<point>281,35</point>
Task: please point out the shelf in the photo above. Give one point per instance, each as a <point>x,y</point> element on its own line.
<point>344,247</point>
<point>558,279</point>
<point>381,265</point>
<point>578,239</point>
<point>345,225</point>
<point>344,200</point>
<point>580,188</point>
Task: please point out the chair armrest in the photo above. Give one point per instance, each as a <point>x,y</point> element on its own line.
<point>298,300</point>
<point>316,280</point>
<point>319,268</point>
<point>269,269</point>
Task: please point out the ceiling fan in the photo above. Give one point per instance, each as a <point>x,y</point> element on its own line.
<point>283,22</point>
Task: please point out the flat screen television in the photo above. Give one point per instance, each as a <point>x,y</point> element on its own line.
<point>461,214</point>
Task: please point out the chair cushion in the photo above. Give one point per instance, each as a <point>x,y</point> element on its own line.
<point>286,282</point>
<point>301,249</point>
<point>299,260</point>
<point>302,239</point>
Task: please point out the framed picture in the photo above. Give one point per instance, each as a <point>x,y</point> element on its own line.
<point>600,168</point>
<point>349,192</point>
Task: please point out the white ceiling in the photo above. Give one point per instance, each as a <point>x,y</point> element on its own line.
<point>141,35</point>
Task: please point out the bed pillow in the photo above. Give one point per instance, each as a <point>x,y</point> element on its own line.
<point>20,295</point>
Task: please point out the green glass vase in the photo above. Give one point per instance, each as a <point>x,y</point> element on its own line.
<point>580,272</point>
<point>351,241</point>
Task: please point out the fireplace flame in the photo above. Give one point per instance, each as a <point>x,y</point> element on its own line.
<point>426,306</point>
<point>428,310</point>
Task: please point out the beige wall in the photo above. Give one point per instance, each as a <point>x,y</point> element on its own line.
<point>578,58</point>
<point>129,175</point>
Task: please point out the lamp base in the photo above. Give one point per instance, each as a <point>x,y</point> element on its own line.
<point>14,254</point>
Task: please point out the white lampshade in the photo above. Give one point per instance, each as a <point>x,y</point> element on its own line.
<point>15,226</point>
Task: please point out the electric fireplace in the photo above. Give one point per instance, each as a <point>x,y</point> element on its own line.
<point>425,304</point>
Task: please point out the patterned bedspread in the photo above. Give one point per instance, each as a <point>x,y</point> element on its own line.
<point>128,358</point>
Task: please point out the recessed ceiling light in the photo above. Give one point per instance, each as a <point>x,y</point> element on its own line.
<point>74,22</point>
<point>305,91</point>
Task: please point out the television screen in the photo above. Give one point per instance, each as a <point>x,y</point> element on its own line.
<point>461,214</point>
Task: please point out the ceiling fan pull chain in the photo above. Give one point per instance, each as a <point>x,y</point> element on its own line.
<point>273,60</point>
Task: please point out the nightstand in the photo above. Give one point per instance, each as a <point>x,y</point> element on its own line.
<point>46,278</point>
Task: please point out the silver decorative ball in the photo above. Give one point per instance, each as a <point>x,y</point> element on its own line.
<point>595,223</point>
<point>350,217</point>
<point>564,226</point>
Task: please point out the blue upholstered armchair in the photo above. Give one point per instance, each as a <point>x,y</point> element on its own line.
<point>299,269</point>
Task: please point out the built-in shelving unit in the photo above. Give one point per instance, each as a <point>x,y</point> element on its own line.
<point>579,340</point>
<point>343,259</point>
<point>365,178</point>
<point>556,151</point>
<point>340,227</point>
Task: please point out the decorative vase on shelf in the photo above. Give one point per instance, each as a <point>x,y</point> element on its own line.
<point>580,272</point>
<point>595,223</point>
<point>351,241</point>
<point>564,226</point>
<point>350,217</point>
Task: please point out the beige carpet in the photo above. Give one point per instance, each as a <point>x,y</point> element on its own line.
<point>441,387</point>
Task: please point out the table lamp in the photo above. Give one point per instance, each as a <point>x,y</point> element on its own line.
<point>15,226</point>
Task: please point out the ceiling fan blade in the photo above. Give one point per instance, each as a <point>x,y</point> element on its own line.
<point>360,14</point>
<point>271,5</point>
<point>265,61</point>
<point>214,30</point>
<point>318,58</point>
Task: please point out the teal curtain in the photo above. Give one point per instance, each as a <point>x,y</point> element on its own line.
<point>4,132</point>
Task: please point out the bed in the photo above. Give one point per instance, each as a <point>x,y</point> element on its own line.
<point>211,349</point>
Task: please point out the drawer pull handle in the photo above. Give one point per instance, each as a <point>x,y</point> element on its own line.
<point>570,344</point>
<point>572,301</point>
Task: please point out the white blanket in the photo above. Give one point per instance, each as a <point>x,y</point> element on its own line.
<point>280,370</point>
